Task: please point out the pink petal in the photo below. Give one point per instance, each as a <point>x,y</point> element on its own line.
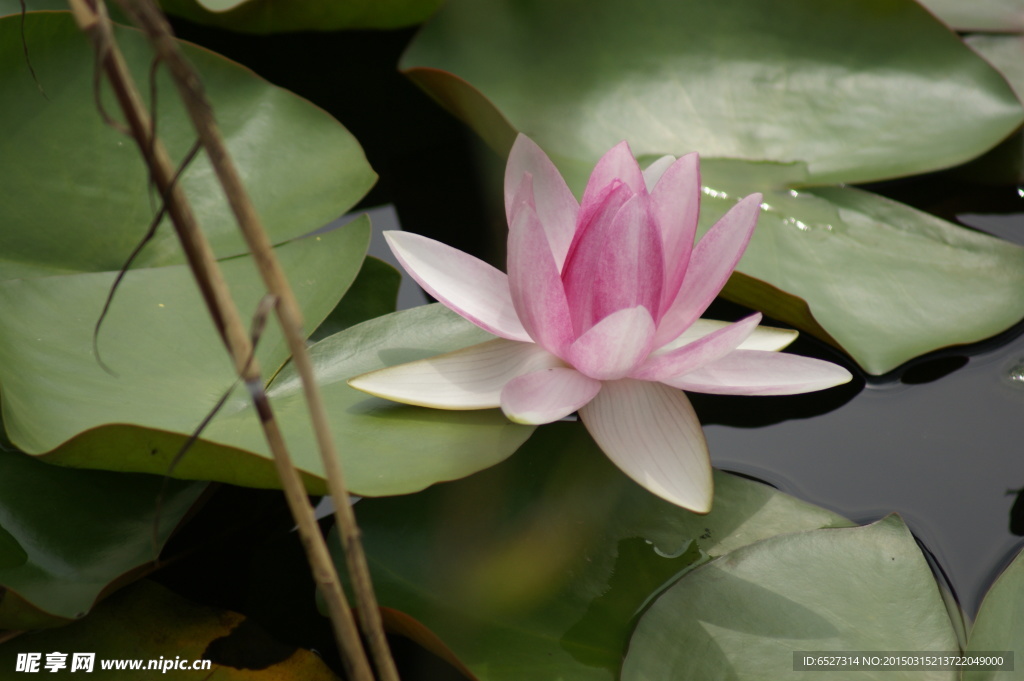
<point>713,346</point>
<point>619,164</point>
<point>616,264</point>
<point>676,206</point>
<point>547,395</point>
<point>536,287</point>
<point>614,346</point>
<point>755,372</point>
<point>711,263</point>
<point>556,207</point>
<point>468,286</point>
<point>653,172</point>
<point>651,432</point>
<point>471,378</point>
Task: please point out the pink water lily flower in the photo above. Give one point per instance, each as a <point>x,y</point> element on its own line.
<point>600,314</point>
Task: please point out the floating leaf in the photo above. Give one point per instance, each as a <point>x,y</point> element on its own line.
<point>744,615</point>
<point>535,568</point>
<point>169,364</point>
<point>881,280</point>
<point>147,622</point>
<point>81,187</point>
<point>373,294</point>
<point>1000,622</point>
<point>980,15</point>
<point>69,536</point>
<point>279,16</point>
<point>858,92</point>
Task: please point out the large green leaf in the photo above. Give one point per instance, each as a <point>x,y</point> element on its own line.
<point>169,365</point>
<point>277,16</point>
<point>879,279</point>
<point>858,91</point>
<point>76,188</point>
<point>147,622</point>
<point>1002,16</point>
<point>834,92</point>
<point>171,369</point>
<point>536,568</point>
<point>744,616</point>
<point>1000,622</point>
<point>386,448</point>
<point>68,536</point>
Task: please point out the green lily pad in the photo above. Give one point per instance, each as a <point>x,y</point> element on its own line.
<point>851,98</point>
<point>1000,16</point>
<point>881,280</point>
<point>746,614</point>
<point>858,92</point>
<point>1000,622</point>
<point>169,365</point>
<point>536,567</point>
<point>147,622</point>
<point>385,447</point>
<point>374,293</point>
<point>67,168</point>
<point>67,537</point>
<point>279,16</point>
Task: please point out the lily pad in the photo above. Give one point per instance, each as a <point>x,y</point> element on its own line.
<point>859,92</point>
<point>878,279</point>
<point>67,168</point>
<point>147,622</point>
<point>999,16</point>
<point>536,568</point>
<point>776,106</point>
<point>67,537</point>
<point>278,16</point>
<point>168,365</point>
<point>386,448</point>
<point>747,614</point>
<point>1000,622</point>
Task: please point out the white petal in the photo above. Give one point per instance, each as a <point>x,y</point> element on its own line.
<point>653,172</point>
<point>471,378</point>
<point>754,372</point>
<point>466,285</point>
<point>651,432</point>
<point>547,395</point>
<point>763,338</point>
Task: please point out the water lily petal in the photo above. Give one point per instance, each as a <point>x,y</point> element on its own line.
<point>712,261</point>
<point>534,282</point>
<point>466,285</point>
<point>471,378</point>
<point>653,172</point>
<point>651,432</point>
<point>755,372</point>
<point>615,264</point>
<point>762,338</point>
<point>675,202</point>
<point>708,348</point>
<point>556,207</point>
<point>547,395</point>
<point>615,346</point>
<point>618,164</point>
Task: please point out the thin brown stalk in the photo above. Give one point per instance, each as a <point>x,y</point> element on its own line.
<point>150,19</point>
<point>92,19</point>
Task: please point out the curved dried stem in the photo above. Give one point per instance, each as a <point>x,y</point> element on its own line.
<point>92,19</point>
